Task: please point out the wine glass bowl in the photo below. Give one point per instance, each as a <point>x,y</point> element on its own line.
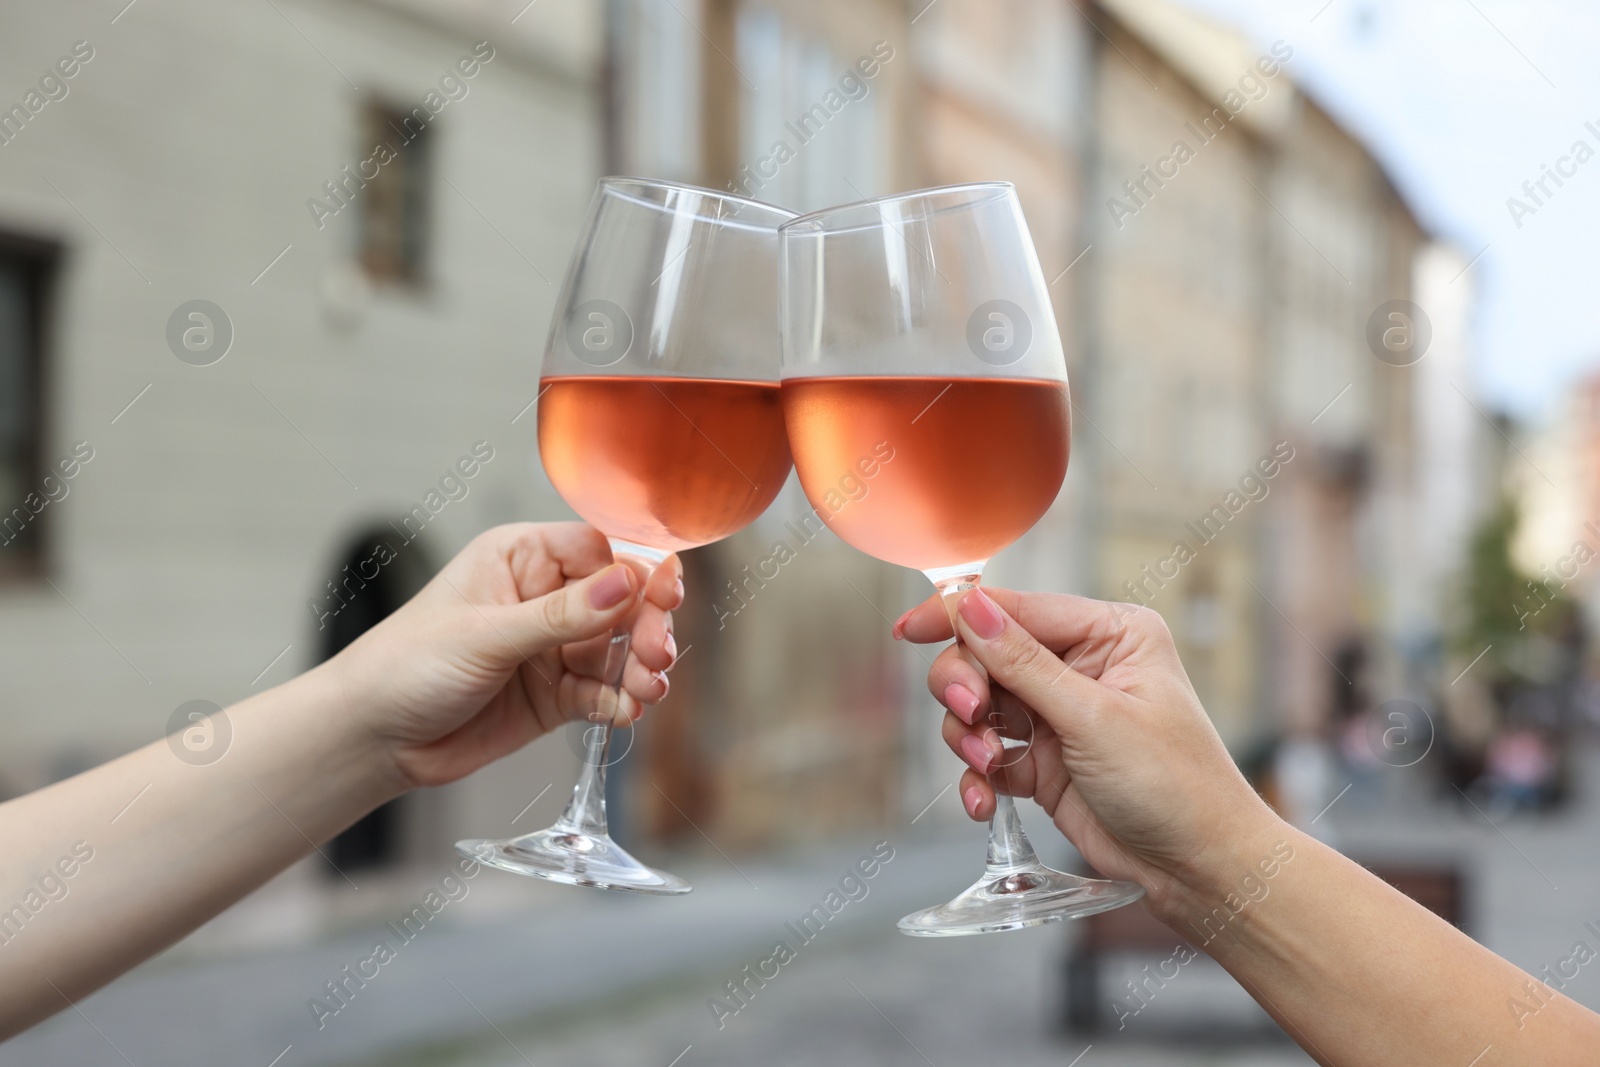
<point>666,463</point>
<point>660,424</point>
<point>921,325</point>
<point>938,503</point>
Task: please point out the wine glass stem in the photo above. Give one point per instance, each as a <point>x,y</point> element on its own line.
<point>1009,849</point>
<point>586,811</point>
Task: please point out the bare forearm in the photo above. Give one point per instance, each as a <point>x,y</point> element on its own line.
<point>105,869</point>
<point>1359,974</point>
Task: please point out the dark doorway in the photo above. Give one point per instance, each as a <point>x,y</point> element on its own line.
<point>354,601</point>
<point>27,269</point>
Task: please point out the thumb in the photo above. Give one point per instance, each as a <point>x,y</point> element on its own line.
<point>1029,670</point>
<point>574,612</point>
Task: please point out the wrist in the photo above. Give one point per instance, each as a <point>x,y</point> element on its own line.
<point>339,728</point>
<point>1235,869</point>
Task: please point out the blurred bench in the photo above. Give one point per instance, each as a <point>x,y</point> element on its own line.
<point>1438,887</point>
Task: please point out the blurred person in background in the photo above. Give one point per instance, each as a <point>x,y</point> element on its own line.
<point>1469,713</point>
<point>505,644</point>
<point>1520,771</point>
<point>1127,763</point>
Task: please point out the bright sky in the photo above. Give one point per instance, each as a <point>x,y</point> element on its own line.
<point>1464,100</point>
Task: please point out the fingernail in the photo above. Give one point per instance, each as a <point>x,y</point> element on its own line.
<point>672,646</point>
<point>677,589</point>
<point>976,753</point>
<point>661,679</point>
<point>899,629</point>
<point>961,700</point>
<point>972,798</point>
<point>981,614</point>
<point>613,589</point>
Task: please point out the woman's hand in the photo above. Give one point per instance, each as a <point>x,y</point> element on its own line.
<point>1122,755</point>
<point>508,642</point>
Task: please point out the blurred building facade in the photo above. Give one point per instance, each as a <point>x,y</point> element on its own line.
<point>1460,454</point>
<point>1209,299</point>
<point>1175,359</point>
<point>1259,461</point>
<point>1212,306</point>
<point>1558,483</point>
<point>1344,246</point>
<point>373,316</point>
<point>785,723</point>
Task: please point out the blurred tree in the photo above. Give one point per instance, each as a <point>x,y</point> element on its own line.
<point>1503,606</point>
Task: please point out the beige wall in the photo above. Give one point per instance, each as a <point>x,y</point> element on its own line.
<point>1344,244</point>
<point>206,521</point>
<point>1175,367</point>
<point>1229,310</point>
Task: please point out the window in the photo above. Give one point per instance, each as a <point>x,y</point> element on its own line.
<point>809,122</point>
<point>25,269</point>
<point>657,72</point>
<point>394,204</point>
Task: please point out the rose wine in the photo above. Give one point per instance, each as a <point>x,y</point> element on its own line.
<point>669,463</point>
<point>974,462</point>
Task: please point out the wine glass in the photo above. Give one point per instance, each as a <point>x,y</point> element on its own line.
<point>660,424</point>
<point>919,327</point>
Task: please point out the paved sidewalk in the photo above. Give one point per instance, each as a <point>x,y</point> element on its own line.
<point>573,977</point>
<point>869,999</point>
<point>571,947</point>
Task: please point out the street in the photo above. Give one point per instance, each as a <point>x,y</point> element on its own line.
<point>592,977</point>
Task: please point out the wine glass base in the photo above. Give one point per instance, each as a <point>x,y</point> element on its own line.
<point>1030,896</point>
<point>573,858</point>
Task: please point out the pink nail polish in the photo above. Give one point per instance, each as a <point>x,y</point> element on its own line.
<point>972,798</point>
<point>613,589</point>
<point>961,700</point>
<point>981,615</point>
<point>976,753</point>
<point>899,628</point>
